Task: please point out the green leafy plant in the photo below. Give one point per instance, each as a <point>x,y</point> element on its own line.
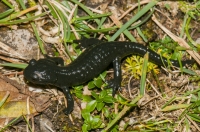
<point>191,11</point>
<point>97,82</point>
<point>194,109</point>
<point>167,48</point>
<point>98,103</point>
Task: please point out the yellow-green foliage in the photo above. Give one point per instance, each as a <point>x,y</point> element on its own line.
<point>31,3</point>
<point>134,64</point>
<point>191,9</point>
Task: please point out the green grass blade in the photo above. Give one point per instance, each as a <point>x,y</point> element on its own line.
<point>22,20</point>
<point>168,102</point>
<point>141,34</point>
<point>133,19</point>
<point>53,13</point>
<point>8,4</point>
<point>10,124</point>
<point>15,65</point>
<point>92,17</point>
<point>189,72</point>
<point>66,30</point>
<point>6,13</point>
<point>34,27</point>
<point>194,117</point>
<point>144,73</point>
<point>175,107</point>
<point>129,35</point>
<point>191,92</point>
<point>86,10</point>
<point>122,113</point>
<point>97,30</point>
<point>4,98</point>
<point>142,21</point>
<point>100,25</point>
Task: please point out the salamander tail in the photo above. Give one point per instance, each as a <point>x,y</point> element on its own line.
<point>188,62</point>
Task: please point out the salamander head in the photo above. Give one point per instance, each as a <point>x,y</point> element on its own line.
<point>40,72</point>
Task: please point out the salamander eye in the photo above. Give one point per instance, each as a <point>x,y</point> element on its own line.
<point>32,62</point>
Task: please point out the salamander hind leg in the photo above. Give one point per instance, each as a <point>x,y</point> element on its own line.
<point>70,101</point>
<point>87,42</point>
<point>115,83</point>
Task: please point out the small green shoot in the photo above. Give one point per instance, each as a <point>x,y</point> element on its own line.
<point>10,124</point>
<point>144,73</point>
<point>4,98</point>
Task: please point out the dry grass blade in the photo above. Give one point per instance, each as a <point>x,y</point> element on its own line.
<point>9,50</point>
<point>12,16</point>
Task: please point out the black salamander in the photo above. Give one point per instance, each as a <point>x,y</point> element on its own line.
<point>94,60</point>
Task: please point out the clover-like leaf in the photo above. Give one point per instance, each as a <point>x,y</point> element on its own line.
<point>106,112</point>
<point>98,82</point>
<point>103,94</point>
<point>85,114</point>
<point>91,85</point>
<point>91,105</point>
<point>96,122</point>
<point>108,99</point>
<point>100,105</point>
<point>95,95</point>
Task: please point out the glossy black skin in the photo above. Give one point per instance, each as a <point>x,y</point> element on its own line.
<point>94,60</point>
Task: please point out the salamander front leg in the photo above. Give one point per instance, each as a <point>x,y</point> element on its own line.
<point>56,60</point>
<point>70,101</point>
<point>87,42</point>
<point>115,83</point>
